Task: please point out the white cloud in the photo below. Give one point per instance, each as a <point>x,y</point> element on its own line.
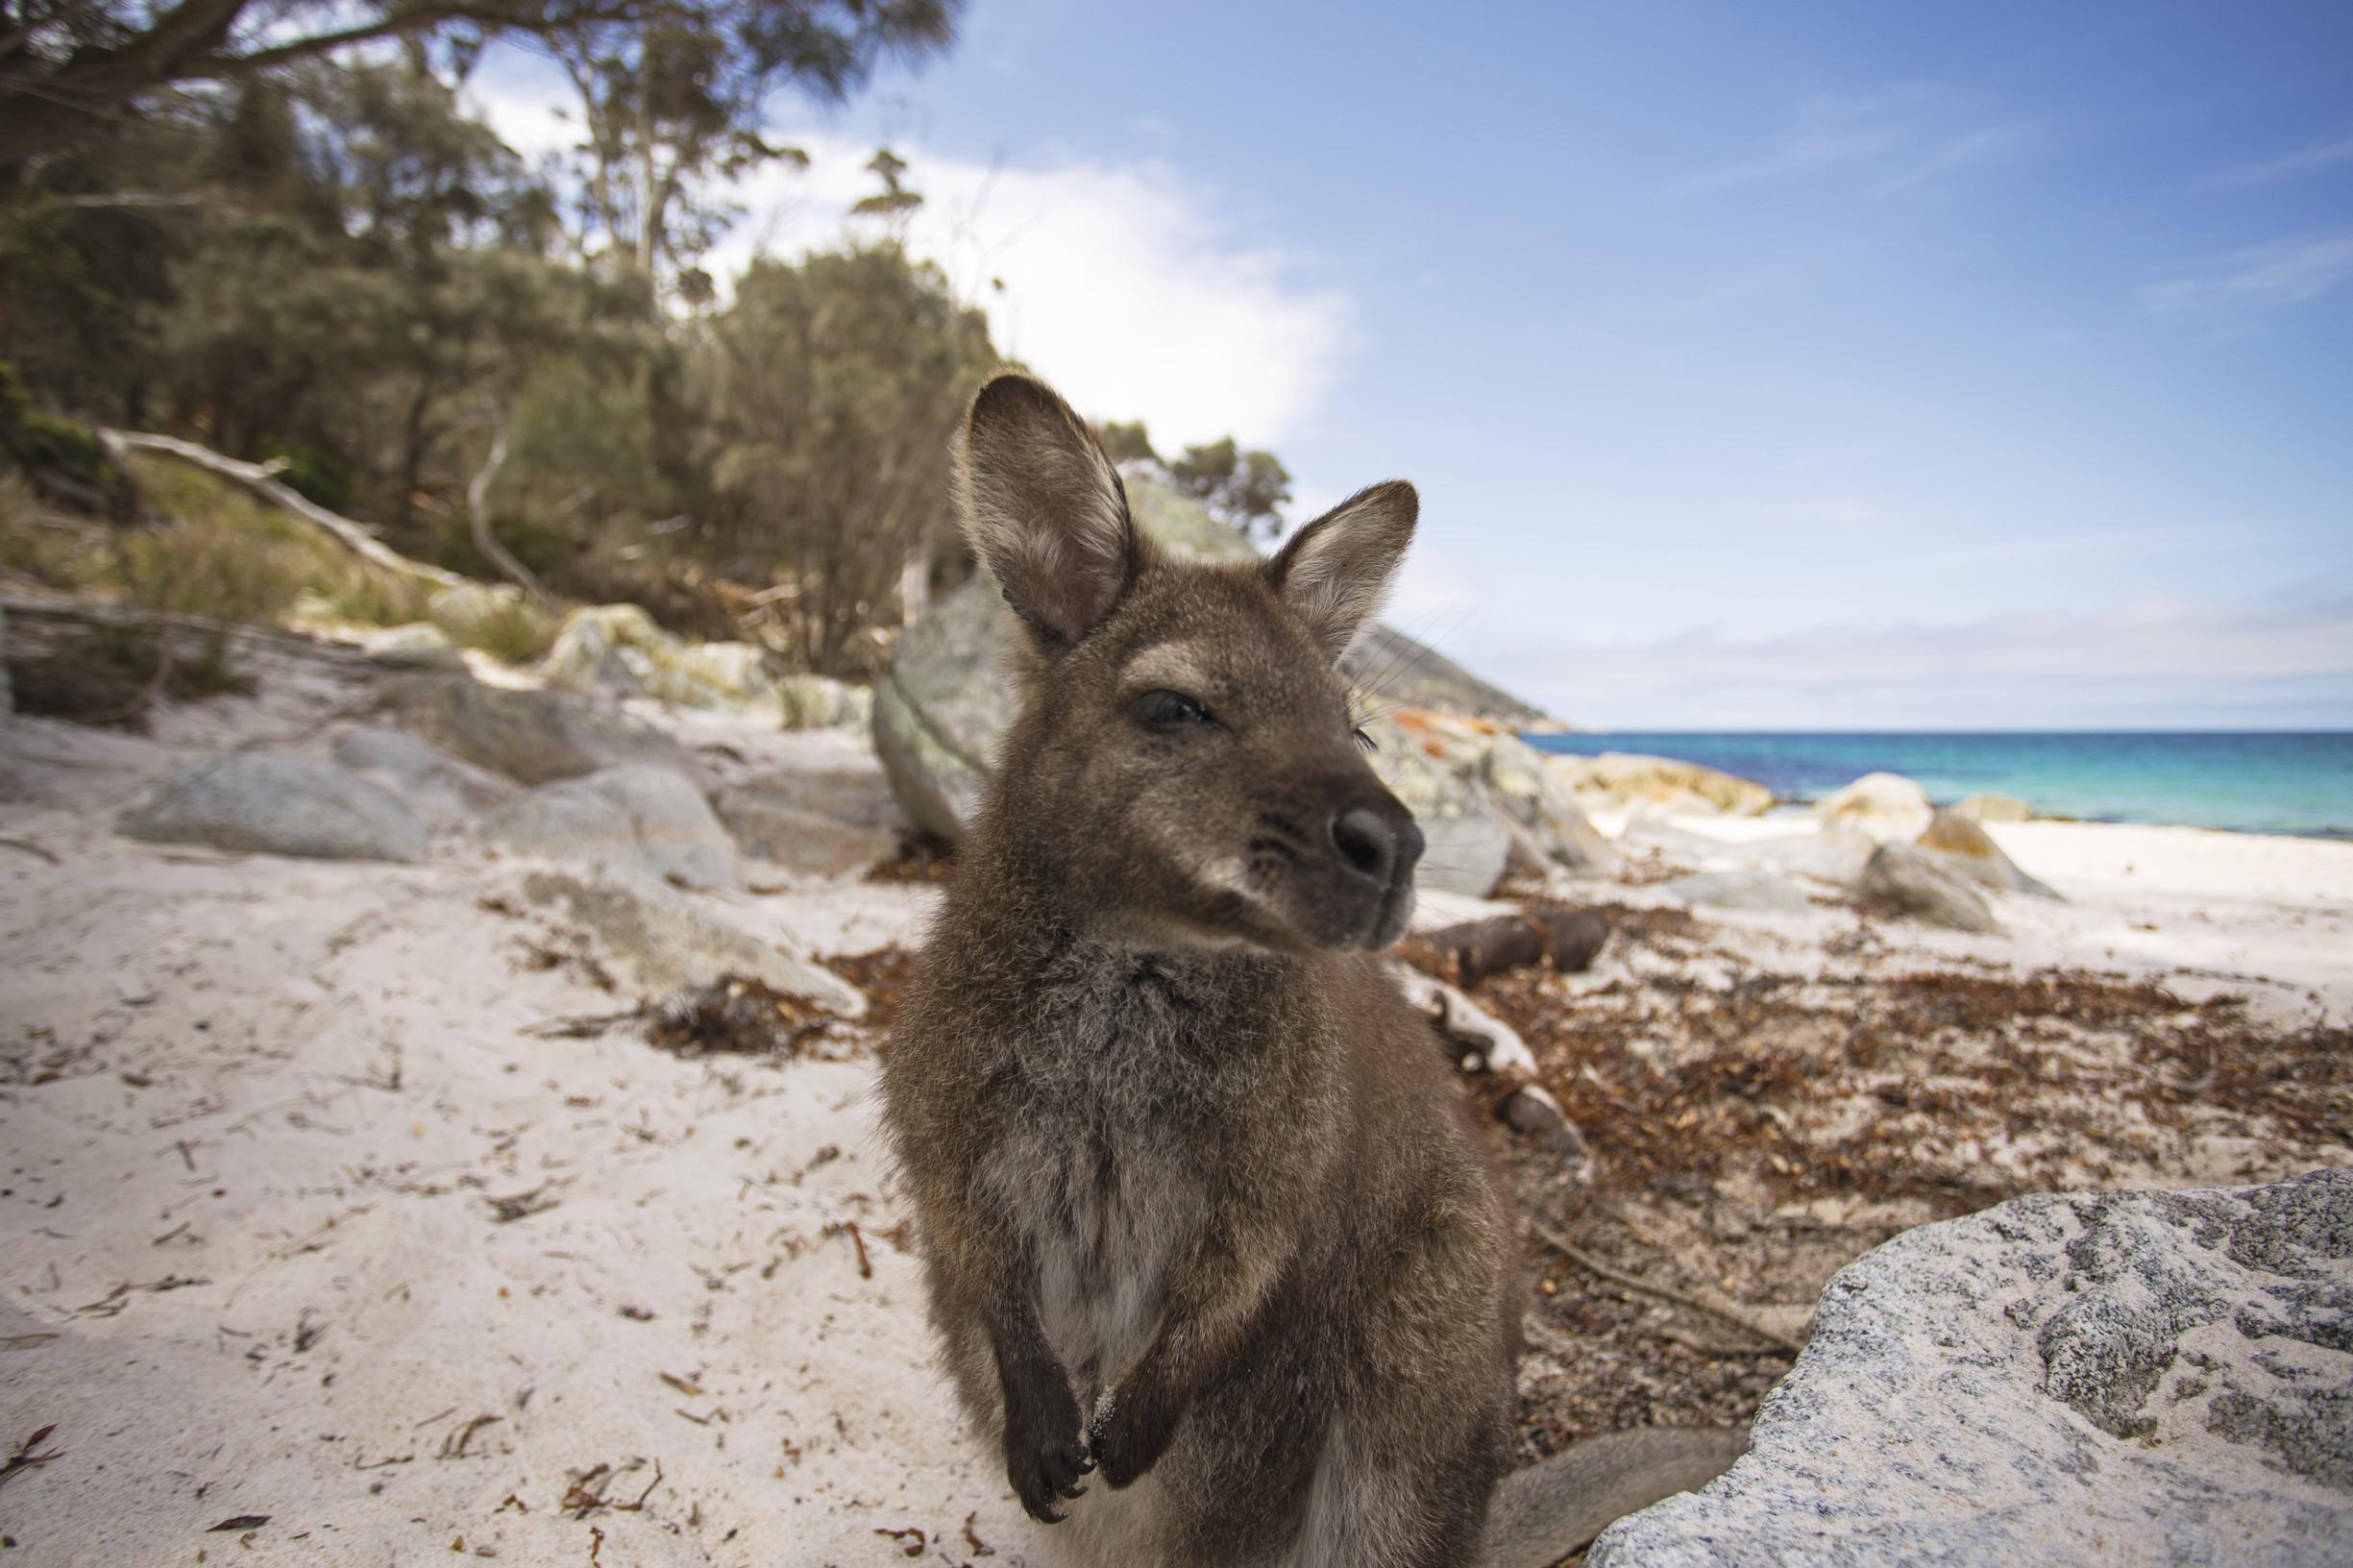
<point>1122,283</point>
<point>2285,272</point>
<point>1119,282</point>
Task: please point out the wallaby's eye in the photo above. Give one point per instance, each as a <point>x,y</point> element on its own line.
<point>1364,740</point>
<point>1168,710</point>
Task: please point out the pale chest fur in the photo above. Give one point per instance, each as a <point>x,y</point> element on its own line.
<point>1130,1088</point>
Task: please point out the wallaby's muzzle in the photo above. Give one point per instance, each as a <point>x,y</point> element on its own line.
<point>1375,848</point>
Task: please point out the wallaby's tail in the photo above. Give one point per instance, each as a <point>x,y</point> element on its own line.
<point>1548,1510</point>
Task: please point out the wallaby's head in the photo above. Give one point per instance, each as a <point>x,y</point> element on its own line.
<point>1186,757</point>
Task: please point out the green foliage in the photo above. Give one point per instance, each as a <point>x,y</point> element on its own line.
<point>1248,489</point>
<point>1126,443</point>
<point>58,552</point>
<point>316,475</point>
<point>366,598</point>
<point>829,392</point>
<point>673,101</point>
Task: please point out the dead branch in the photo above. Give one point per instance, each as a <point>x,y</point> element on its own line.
<point>254,476</point>
<point>1725,1310</point>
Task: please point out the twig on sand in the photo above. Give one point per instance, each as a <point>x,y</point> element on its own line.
<point>1719,1309</point>
<point>857,1238</point>
<point>30,848</point>
<point>24,1459</point>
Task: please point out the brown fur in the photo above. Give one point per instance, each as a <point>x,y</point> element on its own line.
<point>1197,1210</point>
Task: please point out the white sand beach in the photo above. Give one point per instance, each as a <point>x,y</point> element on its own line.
<point>310,1222</point>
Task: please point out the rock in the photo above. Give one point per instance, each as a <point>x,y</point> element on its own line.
<point>1907,881</point>
<point>1631,780</point>
<point>803,840</point>
<point>1994,808</point>
<point>475,614</point>
<point>821,702</point>
<point>639,818</point>
<point>420,642</point>
<point>1831,855</point>
<point>440,789</point>
<point>665,942</point>
<point>946,698</point>
<point>2064,1380</point>
<point>1887,808</point>
<point>1961,845</point>
<point>619,650</point>
<point>536,736</point>
<point>586,655</point>
<point>1531,1109</point>
<point>1538,799</point>
<point>1468,836</point>
<point>278,806</point>
<point>1757,892</point>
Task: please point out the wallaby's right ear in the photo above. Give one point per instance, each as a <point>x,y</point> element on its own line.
<point>1043,509</point>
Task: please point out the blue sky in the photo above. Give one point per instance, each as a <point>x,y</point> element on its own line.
<point>1761,366</point>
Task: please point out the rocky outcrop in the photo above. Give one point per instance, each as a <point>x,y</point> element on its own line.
<point>2078,1380</point>
<point>948,696</point>
<point>1629,780</point>
<point>1887,808</point>
<point>639,819</point>
<point>664,941</point>
<point>618,649</point>
<point>535,736</point>
<point>438,788</point>
<point>1906,881</point>
<point>1551,827</point>
<point>419,642</point>
<point>472,613</point>
<point>279,806</point>
<point>1961,845</point>
<point>1994,808</point>
<point>1755,891</point>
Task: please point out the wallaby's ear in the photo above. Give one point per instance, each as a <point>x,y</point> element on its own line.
<point>1336,571</point>
<point>1043,509</point>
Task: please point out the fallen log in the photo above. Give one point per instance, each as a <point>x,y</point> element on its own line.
<point>260,479</point>
<point>1567,939</point>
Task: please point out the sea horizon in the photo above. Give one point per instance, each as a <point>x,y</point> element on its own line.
<point>2272,781</point>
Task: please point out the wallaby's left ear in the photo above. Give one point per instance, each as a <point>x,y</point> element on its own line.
<point>1336,571</point>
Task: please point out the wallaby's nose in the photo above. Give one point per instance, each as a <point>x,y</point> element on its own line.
<point>1376,850</point>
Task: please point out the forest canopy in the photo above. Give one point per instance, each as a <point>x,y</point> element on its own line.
<point>278,230</point>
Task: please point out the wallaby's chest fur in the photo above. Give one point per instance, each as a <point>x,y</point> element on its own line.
<point>1130,1082</point>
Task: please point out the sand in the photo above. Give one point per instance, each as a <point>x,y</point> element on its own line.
<point>305,1219</point>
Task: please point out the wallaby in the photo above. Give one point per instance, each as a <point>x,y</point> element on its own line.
<point>1197,1208</point>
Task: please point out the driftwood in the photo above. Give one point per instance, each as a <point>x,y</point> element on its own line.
<point>1466,1027</point>
<point>1726,1310</point>
<point>1567,939</point>
<point>260,479</point>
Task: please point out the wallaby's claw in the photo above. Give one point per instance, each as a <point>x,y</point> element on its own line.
<point>1043,1472</point>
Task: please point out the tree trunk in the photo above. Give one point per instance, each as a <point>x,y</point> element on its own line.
<point>478,518</point>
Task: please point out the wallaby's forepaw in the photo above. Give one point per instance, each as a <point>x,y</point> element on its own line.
<point>1130,1432</point>
<point>1043,1455</point>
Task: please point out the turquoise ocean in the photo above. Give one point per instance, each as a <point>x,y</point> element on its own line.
<point>2259,783</point>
